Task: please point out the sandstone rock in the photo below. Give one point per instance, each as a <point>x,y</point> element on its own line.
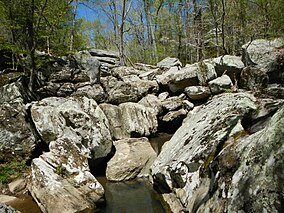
<point>132,159</point>
<point>130,89</point>
<point>190,75</point>
<point>185,167</point>
<point>138,120</point>
<point>231,65</point>
<point>253,78</point>
<point>17,185</point>
<point>17,140</point>
<point>55,193</point>
<point>197,93</point>
<point>172,103</point>
<point>121,71</point>
<point>95,92</point>
<point>153,102</point>
<point>116,126</point>
<point>55,117</point>
<point>220,84</point>
<point>169,62</point>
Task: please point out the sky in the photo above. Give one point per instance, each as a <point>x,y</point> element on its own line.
<point>85,12</point>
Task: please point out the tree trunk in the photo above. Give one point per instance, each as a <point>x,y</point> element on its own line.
<point>73,25</point>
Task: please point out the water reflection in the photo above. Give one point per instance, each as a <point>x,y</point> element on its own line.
<point>131,196</point>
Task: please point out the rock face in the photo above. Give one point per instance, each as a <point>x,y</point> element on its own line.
<point>133,158</point>
<point>184,170</point>
<point>130,120</point>
<point>17,140</point>
<point>76,130</point>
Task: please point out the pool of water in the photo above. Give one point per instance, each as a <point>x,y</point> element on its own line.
<point>135,196</point>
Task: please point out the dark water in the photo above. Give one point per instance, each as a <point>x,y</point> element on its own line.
<point>25,204</point>
<point>158,141</point>
<point>130,197</point>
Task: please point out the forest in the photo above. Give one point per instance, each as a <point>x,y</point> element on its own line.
<point>144,31</point>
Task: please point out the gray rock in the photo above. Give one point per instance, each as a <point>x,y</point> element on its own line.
<point>65,89</point>
<point>7,209</point>
<point>116,126</point>
<point>94,91</point>
<point>153,102</point>
<point>182,169</point>
<point>229,64</point>
<point>172,103</point>
<point>121,71</point>
<point>220,84</point>
<point>197,93</point>
<point>262,52</point>
<point>190,75</point>
<point>163,96</point>
<point>253,78</point>
<point>132,159</point>
<point>138,120</point>
<point>54,188</point>
<point>169,62</point>
<point>130,89</point>
<point>275,90</point>
<point>56,117</point>
<point>174,115</point>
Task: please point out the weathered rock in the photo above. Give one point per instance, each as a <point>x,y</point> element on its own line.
<point>116,126</point>
<point>174,115</point>
<point>17,185</point>
<point>12,93</point>
<point>94,91</point>
<point>220,84</point>
<point>56,117</point>
<point>132,159</point>
<point>138,120</point>
<point>253,78</point>
<point>275,90</point>
<point>130,89</point>
<point>121,71</point>
<point>261,52</point>
<point>229,64</point>
<point>65,90</point>
<point>185,167</point>
<point>153,102</point>
<point>190,75</point>
<point>7,209</point>
<point>55,193</point>
<point>172,103</point>
<point>17,140</point>
<point>163,96</point>
<point>197,93</point>
<point>169,62</point>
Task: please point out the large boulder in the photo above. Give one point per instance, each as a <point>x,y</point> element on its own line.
<point>169,62</point>
<point>76,131</point>
<point>55,117</point>
<point>17,136</point>
<point>129,89</point>
<point>191,75</point>
<point>184,171</point>
<point>94,91</point>
<point>153,102</point>
<point>220,84</point>
<point>130,120</point>
<point>133,158</point>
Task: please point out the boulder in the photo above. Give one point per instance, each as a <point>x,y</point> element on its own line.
<point>130,89</point>
<point>172,103</point>
<point>56,190</point>
<point>220,84</point>
<point>17,185</point>
<point>197,93</point>
<point>114,116</point>
<point>275,90</point>
<point>190,75</point>
<point>153,102</point>
<point>253,78</point>
<point>94,91</point>
<point>133,158</point>
<point>138,120</point>
<point>17,140</point>
<point>130,120</point>
<point>229,64</point>
<point>55,117</point>
<point>169,62</point>
<point>185,169</point>
<point>122,71</point>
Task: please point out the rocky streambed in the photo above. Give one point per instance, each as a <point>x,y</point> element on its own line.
<point>225,118</point>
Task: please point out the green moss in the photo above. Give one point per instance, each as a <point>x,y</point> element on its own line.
<point>228,90</point>
<point>61,170</point>
<point>207,163</point>
<point>11,171</point>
